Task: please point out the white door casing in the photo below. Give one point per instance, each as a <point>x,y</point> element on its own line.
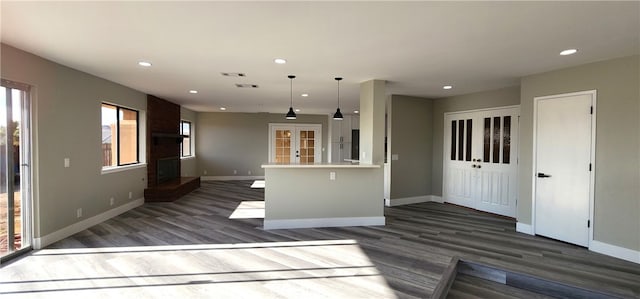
<point>295,143</point>
<point>480,159</point>
<point>564,151</point>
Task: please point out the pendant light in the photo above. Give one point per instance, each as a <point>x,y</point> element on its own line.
<point>291,114</point>
<point>338,114</point>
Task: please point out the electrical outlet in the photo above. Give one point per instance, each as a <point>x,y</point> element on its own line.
<point>67,162</point>
<point>79,212</point>
<point>235,171</point>
<point>204,172</point>
<point>111,201</point>
<point>332,175</point>
<point>249,172</point>
<point>130,195</point>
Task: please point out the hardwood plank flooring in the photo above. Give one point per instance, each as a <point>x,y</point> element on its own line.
<point>190,248</point>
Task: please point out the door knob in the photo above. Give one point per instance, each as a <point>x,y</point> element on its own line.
<point>542,175</point>
<point>474,166</point>
<point>479,166</point>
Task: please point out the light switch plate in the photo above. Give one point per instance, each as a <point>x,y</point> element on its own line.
<point>67,163</point>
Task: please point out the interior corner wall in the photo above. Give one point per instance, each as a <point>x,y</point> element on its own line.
<point>617,166</point>
<point>508,96</point>
<point>188,166</point>
<point>228,141</point>
<point>412,143</point>
<point>66,114</point>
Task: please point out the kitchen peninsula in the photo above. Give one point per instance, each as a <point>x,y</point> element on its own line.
<point>323,195</point>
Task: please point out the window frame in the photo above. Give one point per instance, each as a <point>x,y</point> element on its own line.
<point>192,154</point>
<point>119,166</point>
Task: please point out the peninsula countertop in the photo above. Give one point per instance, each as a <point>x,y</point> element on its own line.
<point>319,165</point>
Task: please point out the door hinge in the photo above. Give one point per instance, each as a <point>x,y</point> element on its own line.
<point>589,166</point>
<point>591,111</point>
<point>588,223</point>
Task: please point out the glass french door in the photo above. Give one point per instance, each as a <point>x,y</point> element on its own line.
<point>295,144</point>
<point>15,195</point>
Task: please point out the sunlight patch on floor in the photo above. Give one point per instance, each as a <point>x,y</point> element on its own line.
<point>306,269</point>
<point>258,184</point>
<point>248,210</point>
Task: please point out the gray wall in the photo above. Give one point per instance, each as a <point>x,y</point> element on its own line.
<point>300,193</point>
<point>617,180</point>
<point>188,166</point>
<point>411,138</point>
<point>488,99</point>
<point>66,118</point>
<point>239,141</point>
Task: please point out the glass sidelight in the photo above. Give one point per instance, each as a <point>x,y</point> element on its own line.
<point>15,216</point>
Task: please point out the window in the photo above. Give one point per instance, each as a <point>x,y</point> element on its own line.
<point>120,142</point>
<point>185,130</point>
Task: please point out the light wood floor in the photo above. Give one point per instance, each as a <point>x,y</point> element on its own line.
<point>191,249</point>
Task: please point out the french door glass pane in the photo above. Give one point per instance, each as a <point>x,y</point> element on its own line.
<point>283,146</point>
<point>306,146</point>
<point>496,140</point>
<point>469,131</point>
<point>487,140</point>
<point>506,143</point>
<point>453,139</point>
<point>461,140</point>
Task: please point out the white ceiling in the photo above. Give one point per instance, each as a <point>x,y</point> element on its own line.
<point>416,46</point>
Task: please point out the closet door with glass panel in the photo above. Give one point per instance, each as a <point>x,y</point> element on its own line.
<point>480,164</point>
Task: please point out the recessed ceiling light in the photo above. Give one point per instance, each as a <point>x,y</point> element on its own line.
<point>304,95</point>
<point>144,63</point>
<point>568,52</point>
<point>193,91</point>
<point>297,110</point>
<point>447,87</point>
<point>223,108</point>
<point>356,111</point>
<point>280,61</point>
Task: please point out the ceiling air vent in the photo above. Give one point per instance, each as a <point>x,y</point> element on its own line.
<point>234,74</point>
<point>238,85</point>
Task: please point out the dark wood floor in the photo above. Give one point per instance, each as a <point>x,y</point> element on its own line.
<point>404,259</point>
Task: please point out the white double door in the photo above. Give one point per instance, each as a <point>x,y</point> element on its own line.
<point>480,159</point>
<point>294,143</point>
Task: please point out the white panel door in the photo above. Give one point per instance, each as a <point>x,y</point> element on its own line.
<point>496,166</point>
<point>459,169</point>
<point>480,164</point>
<point>563,167</point>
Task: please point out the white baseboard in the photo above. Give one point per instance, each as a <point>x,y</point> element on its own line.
<point>323,222</point>
<point>411,200</point>
<point>39,243</point>
<point>436,198</point>
<point>231,178</point>
<point>615,251</point>
<point>524,228</point>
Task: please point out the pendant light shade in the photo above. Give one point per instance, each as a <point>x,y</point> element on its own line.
<point>338,114</point>
<point>291,114</point>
